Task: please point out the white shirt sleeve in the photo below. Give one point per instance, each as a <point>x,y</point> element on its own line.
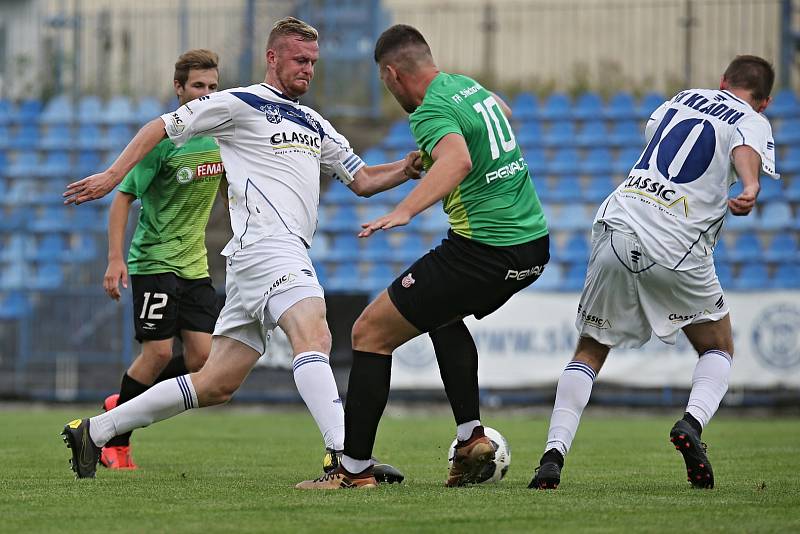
<point>654,120</point>
<point>755,132</point>
<point>208,115</point>
<point>337,159</point>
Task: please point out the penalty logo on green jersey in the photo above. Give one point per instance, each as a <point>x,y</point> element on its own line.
<point>184,175</point>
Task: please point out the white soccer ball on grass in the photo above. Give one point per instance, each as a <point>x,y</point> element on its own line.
<point>497,469</point>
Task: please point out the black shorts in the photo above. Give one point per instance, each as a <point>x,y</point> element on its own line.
<point>462,277</point>
<point>164,304</point>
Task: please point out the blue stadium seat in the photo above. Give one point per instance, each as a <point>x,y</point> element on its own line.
<point>588,106</point>
<point>5,140</point>
<point>537,161</point>
<point>593,133</point>
<point>396,194</point>
<point>57,137</point>
<point>119,111</point>
<point>529,134</point>
<point>56,164</point>
<point>147,109</point>
<point>374,156</point>
<point>598,161</point>
<point>770,190</point>
<point>575,249</point>
<point>524,106</point>
<point>117,137</point>
<point>378,277</point>
<point>787,276</point>
<point>28,111</point>
<point>626,159</point>
<point>788,132</point>
<point>13,218</point>
<point>322,273</point>
<point>565,161</point>
<point>724,274</point>
<point>345,278</point>
<point>48,276</point>
<point>90,138</point>
<point>556,106</point>
<point>50,248</point>
<point>377,247</point>
<point>598,189</point>
<point>50,219</point>
<point>434,220</point>
<point>88,162</point>
<point>13,247</point>
<point>3,163</point>
<point>783,248</point>
<point>82,248</point>
<point>90,110</point>
<point>574,277</point>
<point>344,219</point>
<point>399,137</point>
<point>560,134</point>
<point>752,276</point>
<point>25,138</point>
<point>721,251</point>
<point>790,163</point>
<point>620,107</point>
<point>626,133</point>
<point>565,189</point>
<point>740,223</point>
<point>776,216</point>
<point>59,110</point>
<point>410,248</point>
<point>345,247</point>
<point>571,217</point>
<point>25,165</point>
<point>13,305</point>
<point>792,191</point>
<point>6,109</point>
<point>550,280</point>
<point>784,104</point>
<point>649,104</point>
<point>747,248</point>
<point>14,276</point>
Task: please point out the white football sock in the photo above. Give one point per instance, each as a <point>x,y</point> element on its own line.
<point>351,465</point>
<point>709,384</point>
<point>464,430</point>
<point>162,401</point>
<point>572,396</point>
<point>314,379</point>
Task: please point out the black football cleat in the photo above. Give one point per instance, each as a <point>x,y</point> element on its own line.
<point>383,473</point>
<point>548,474</point>
<point>687,442</point>
<point>85,454</point>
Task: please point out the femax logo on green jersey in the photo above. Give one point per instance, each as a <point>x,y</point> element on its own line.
<point>205,170</point>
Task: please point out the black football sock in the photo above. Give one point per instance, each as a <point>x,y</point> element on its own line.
<point>129,389</point>
<point>689,418</point>
<point>457,357</point>
<point>367,394</point>
<point>175,367</point>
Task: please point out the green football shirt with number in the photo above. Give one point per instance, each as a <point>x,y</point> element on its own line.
<point>496,203</point>
<point>176,187</point>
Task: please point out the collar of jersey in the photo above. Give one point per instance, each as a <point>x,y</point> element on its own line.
<point>278,93</point>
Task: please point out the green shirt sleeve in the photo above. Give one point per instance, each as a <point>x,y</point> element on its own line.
<point>138,180</point>
<point>429,124</point>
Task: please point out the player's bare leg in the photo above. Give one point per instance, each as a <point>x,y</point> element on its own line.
<point>713,341</point>
<point>572,396</point>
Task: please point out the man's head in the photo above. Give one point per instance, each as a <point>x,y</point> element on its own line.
<point>753,75</point>
<point>402,54</point>
<point>292,51</point>
<point>196,74</point>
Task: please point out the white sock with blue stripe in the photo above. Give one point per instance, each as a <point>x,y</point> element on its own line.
<point>572,396</point>
<point>162,401</point>
<point>709,384</point>
<point>315,383</point>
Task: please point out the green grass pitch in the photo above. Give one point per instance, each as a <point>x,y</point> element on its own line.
<point>231,470</point>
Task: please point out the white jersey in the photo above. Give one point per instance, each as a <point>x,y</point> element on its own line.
<point>273,149</point>
<point>676,196</point>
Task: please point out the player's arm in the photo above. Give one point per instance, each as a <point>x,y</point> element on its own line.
<point>503,106</point>
<point>371,179</point>
<point>451,164</point>
<point>117,270</point>
<point>747,163</point>
<point>98,185</point>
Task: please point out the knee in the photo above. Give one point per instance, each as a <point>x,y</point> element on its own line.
<point>366,336</point>
<point>214,393</point>
<point>195,361</point>
<point>315,336</point>
<point>158,356</point>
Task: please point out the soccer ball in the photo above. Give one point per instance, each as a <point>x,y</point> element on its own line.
<point>497,469</point>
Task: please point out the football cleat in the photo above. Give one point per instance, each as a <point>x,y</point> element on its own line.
<point>117,457</point>
<point>687,442</point>
<point>470,458</point>
<point>85,454</point>
<point>383,473</point>
<point>548,474</point>
<point>111,402</point>
<point>340,479</point>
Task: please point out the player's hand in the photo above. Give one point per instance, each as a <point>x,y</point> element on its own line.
<point>743,204</point>
<point>395,218</point>
<point>90,188</point>
<point>116,271</point>
<point>413,165</point>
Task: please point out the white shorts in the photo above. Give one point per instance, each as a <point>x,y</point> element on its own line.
<point>262,281</point>
<point>627,297</point>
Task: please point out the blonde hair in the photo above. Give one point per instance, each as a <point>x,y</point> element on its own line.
<point>198,59</point>
<point>291,26</point>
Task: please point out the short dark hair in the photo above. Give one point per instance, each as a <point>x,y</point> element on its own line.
<point>199,59</point>
<point>397,37</point>
<point>751,73</point>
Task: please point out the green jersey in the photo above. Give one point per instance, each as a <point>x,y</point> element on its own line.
<point>496,203</point>
<point>176,187</point>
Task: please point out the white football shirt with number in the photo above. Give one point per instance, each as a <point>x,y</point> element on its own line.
<point>273,149</point>
<point>676,196</point>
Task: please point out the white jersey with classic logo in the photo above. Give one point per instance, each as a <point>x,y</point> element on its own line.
<point>676,196</point>
<point>273,149</point>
